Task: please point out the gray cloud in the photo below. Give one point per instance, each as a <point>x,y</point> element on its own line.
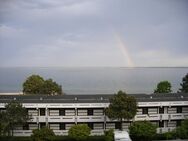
<point>81,32</point>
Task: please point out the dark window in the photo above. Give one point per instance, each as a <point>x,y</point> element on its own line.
<point>62,126</point>
<point>145,111</point>
<point>178,123</point>
<point>117,125</point>
<point>90,125</point>
<point>42,125</point>
<point>90,112</point>
<point>26,126</point>
<point>179,109</point>
<point>161,110</point>
<point>42,112</point>
<point>161,123</point>
<point>62,112</point>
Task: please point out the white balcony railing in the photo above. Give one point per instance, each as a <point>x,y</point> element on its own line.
<point>22,132</point>
<point>61,119</point>
<point>165,129</point>
<point>90,118</point>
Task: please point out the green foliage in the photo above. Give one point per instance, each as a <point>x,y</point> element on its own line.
<point>79,132</point>
<point>166,136</point>
<point>44,134</point>
<point>184,84</point>
<point>109,135</point>
<point>163,87</point>
<point>122,107</point>
<point>55,138</point>
<point>35,84</point>
<point>182,131</point>
<point>142,131</point>
<point>15,115</point>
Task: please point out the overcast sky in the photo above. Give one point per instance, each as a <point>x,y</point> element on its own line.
<point>77,33</point>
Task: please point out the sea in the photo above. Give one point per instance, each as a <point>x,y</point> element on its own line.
<point>95,80</point>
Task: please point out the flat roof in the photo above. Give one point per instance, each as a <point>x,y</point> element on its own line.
<point>90,98</point>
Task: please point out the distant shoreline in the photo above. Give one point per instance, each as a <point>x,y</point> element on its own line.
<point>13,93</point>
<point>92,67</point>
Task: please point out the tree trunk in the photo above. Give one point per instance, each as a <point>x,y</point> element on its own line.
<point>12,130</point>
<point>121,122</point>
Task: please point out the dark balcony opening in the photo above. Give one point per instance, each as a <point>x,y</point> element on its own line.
<point>145,111</point>
<point>62,126</point>
<point>161,110</point>
<point>179,109</point>
<point>42,125</point>
<point>161,123</point>
<point>62,112</point>
<point>90,112</point>
<point>42,112</point>
<point>118,125</point>
<point>178,123</point>
<point>26,126</point>
<point>90,125</point>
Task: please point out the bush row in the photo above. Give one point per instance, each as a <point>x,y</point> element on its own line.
<point>56,138</point>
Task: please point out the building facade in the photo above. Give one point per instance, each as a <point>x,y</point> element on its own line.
<point>61,112</point>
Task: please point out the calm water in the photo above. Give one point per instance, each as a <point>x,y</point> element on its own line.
<point>95,80</point>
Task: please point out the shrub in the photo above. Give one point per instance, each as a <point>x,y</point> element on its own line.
<point>166,136</point>
<point>79,132</point>
<point>182,131</point>
<point>142,131</point>
<point>109,135</point>
<point>44,134</point>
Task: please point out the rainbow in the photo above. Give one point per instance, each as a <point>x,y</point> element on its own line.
<point>121,45</point>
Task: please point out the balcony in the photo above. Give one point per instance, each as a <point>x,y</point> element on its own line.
<point>176,116</point>
<point>61,119</point>
<point>61,132</point>
<point>90,118</point>
<point>150,117</point>
<point>165,129</point>
<point>22,132</point>
<point>97,132</point>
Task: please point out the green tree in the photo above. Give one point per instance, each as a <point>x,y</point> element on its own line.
<point>50,87</point>
<point>79,132</point>
<point>142,131</point>
<point>122,106</point>
<point>15,115</point>
<point>2,122</point>
<point>163,87</point>
<point>35,84</point>
<point>109,135</point>
<point>43,134</point>
<point>182,131</point>
<point>184,84</point>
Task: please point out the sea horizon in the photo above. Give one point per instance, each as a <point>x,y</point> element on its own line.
<point>95,80</point>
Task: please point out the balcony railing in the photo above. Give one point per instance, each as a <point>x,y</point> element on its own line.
<point>90,118</point>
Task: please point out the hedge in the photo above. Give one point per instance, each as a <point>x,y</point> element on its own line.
<point>57,138</point>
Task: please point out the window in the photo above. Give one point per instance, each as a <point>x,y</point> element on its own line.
<point>145,111</point>
<point>62,112</point>
<point>62,126</point>
<point>179,109</point>
<point>161,110</point>
<point>90,112</point>
<point>161,123</point>
<point>42,112</point>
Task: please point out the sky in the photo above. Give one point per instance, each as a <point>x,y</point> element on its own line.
<point>93,33</point>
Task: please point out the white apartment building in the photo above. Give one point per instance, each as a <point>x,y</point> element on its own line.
<point>61,112</point>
